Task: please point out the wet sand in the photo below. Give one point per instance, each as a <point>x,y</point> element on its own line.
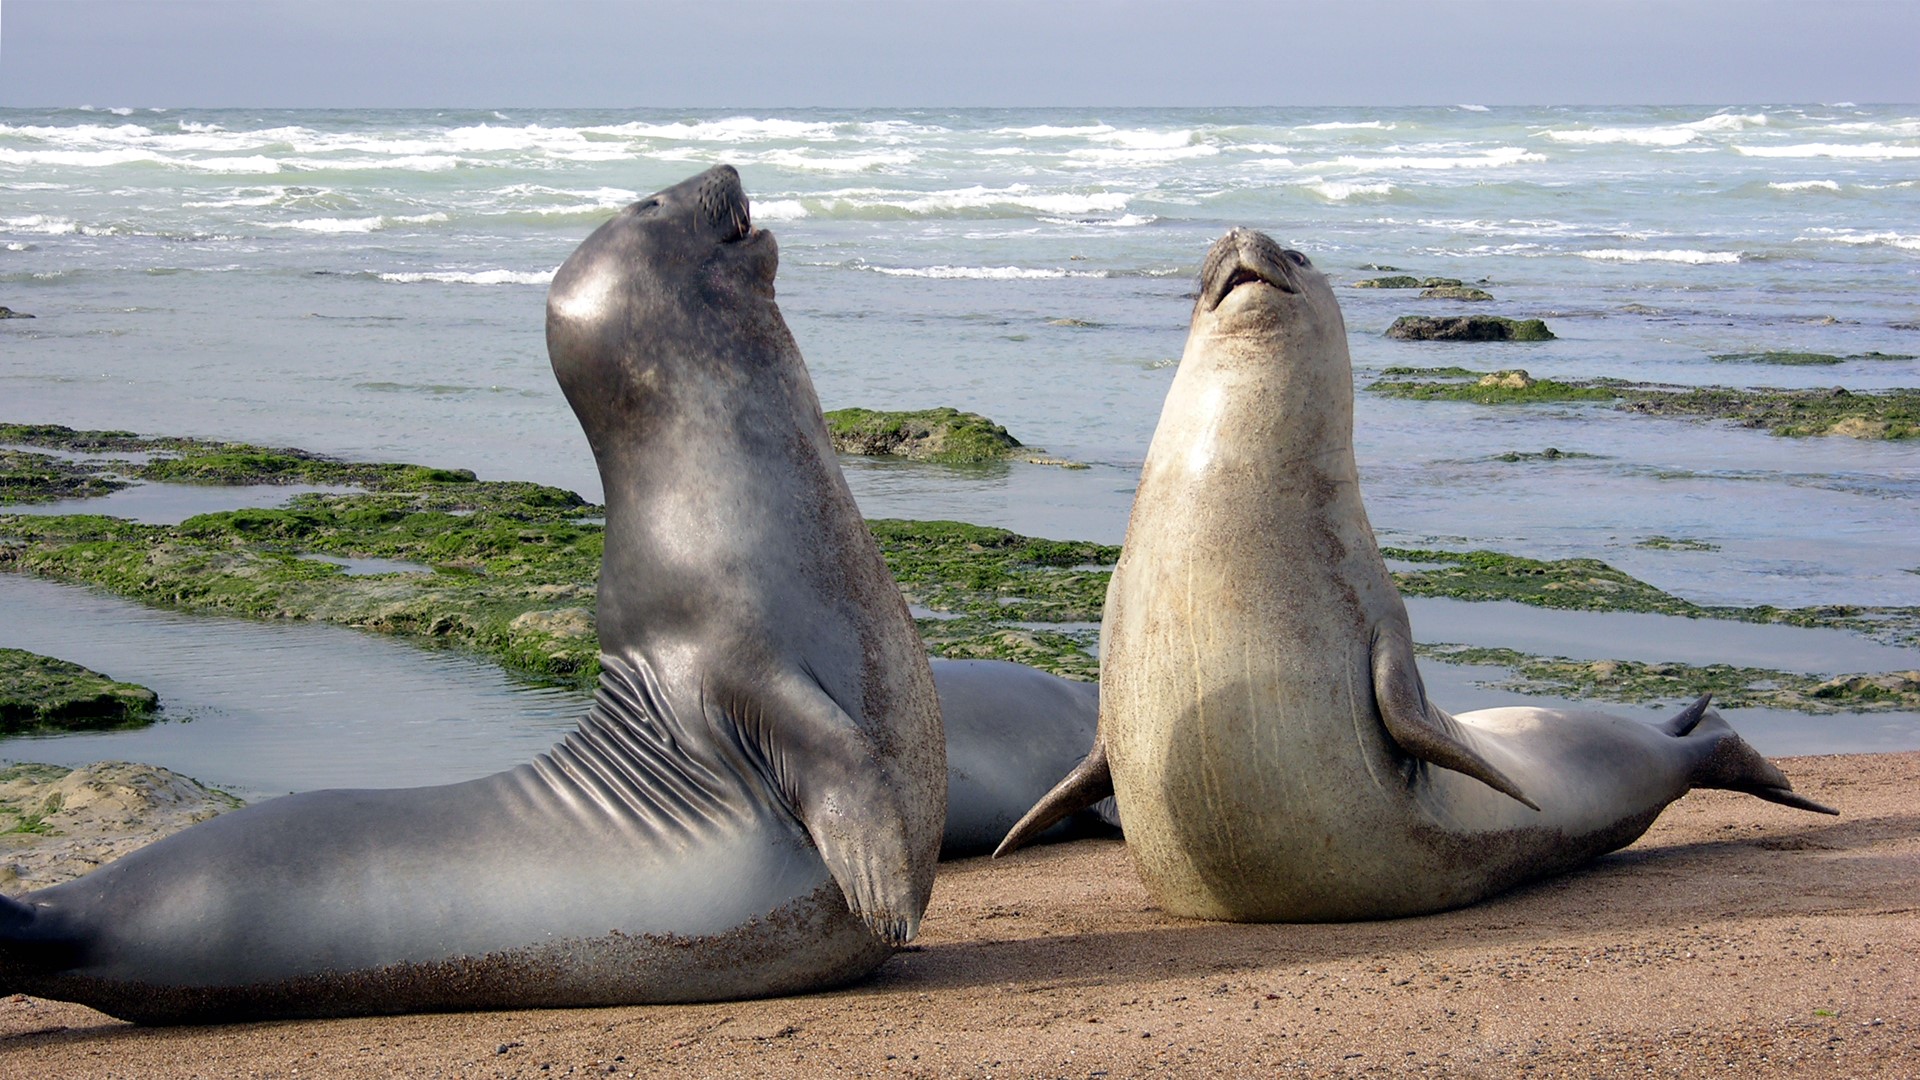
<point>1736,938</point>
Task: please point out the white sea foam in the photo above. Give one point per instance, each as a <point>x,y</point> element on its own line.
<point>740,129</point>
<point>1903,241</point>
<point>1138,155</point>
<point>1667,135</point>
<point>1124,221</point>
<point>84,159</point>
<point>420,163</point>
<point>962,200</point>
<point>1495,158</point>
<point>1805,185</point>
<point>993,273</point>
<point>1342,190</point>
<point>357,225</point>
<point>1673,255</point>
<point>1473,108</point>
<point>1149,140</point>
<point>268,197</point>
<point>778,210</point>
<point>1860,151</point>
<point>809,161</point>
<point>479,277</point>
<point>1895,128</point>
<point>1347,125</point>
<point>40,223</point>
<point>1050,131</point>
<point>1656,136</point>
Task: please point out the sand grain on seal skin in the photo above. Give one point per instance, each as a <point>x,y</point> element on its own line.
<point>1734,939</point>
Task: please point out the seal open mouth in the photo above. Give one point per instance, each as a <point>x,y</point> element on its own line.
<point>723,202</point>
<point>1243,257</point>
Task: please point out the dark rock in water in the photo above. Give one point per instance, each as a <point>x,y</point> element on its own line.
<point>1455,292</point>
<point>40,693</point>
<point>9,313</point>
<point>944,435</point>
<point>1468,328</point>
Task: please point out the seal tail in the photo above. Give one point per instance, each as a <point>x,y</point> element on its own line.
<point>1731,763</point>
<point>1088,783</point>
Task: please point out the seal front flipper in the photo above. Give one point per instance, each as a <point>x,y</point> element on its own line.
<point>1415,725</point>
<point>826,771</point>
<point>1088,783</point>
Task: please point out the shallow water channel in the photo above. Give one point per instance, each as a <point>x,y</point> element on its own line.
<point>265,708</point>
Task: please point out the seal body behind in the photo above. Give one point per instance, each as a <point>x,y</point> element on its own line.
<point>1263,725</point>
<point>754,804</point>
<point>1011,731</point>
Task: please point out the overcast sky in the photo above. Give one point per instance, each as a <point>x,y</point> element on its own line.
<point>793,53</point>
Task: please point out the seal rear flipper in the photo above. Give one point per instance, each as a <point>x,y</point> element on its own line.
<point>826,772</point>
<point>1732,764</point>
<point>1088,783</point>
<point>31,946</point>
<point>1415,725</point>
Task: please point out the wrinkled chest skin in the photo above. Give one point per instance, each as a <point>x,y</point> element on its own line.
<point>754,803</point>
<point>1272,750</point>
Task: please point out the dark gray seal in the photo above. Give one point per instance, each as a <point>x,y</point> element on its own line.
<point>1262,721</point>
<point>752,806</point>
<point>1011,732</point>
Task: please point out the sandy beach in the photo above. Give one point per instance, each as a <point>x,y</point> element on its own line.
<point>1735,938</point>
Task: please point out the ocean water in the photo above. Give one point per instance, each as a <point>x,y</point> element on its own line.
<point>371,284</point>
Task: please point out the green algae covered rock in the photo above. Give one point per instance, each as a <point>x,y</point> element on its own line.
<point>944,435</point>
<point>40,693</point>
<point>1456,292</point>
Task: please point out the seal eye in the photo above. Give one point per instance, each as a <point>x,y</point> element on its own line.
<point>1298,259</point>
<point>648,206</point>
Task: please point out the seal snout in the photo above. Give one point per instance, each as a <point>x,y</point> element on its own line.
<point>723,203</point>
<point>1244,257</point>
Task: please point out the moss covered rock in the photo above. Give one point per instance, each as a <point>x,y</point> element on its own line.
<point>41,693</point>
<point>1456,292</point>
<point>1408,281</point>
<point>944,435</point>
<point>1732,686</point>
<point>1468,328</point>
<point>1802,359</point>
<point>27,477</point>
<point>1888,414</point>
<point>1495,388</point>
